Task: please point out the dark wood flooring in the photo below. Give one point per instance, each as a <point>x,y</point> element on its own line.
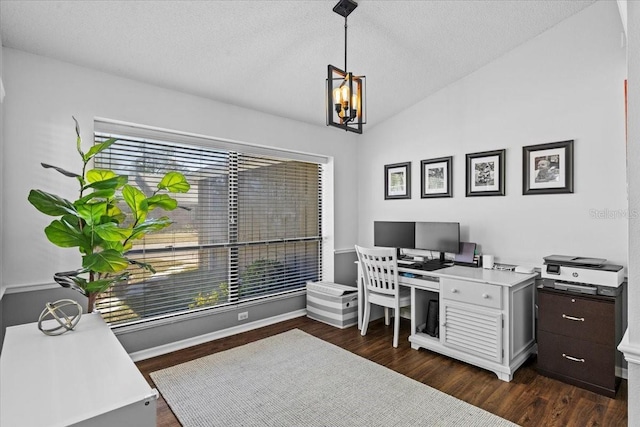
<point>528,400</point>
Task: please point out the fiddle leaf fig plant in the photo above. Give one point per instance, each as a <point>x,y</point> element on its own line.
<point>107,217</point>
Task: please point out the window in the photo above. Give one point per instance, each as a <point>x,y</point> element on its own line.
<point>249,228</point>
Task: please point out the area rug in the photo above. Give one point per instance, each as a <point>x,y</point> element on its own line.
<point>296,379</point>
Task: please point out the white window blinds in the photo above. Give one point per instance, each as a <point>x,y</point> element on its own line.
<point>249,228</point>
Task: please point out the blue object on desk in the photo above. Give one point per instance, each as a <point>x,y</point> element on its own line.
<point>408,274</point>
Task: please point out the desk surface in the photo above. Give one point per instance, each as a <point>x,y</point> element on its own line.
<point>62,380</point>
<point>481,275</point>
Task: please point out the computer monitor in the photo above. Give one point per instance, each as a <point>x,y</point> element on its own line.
<point>394,234</point>
<point>438,236</point>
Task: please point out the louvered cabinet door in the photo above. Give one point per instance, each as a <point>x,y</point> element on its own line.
<point>473,330</point>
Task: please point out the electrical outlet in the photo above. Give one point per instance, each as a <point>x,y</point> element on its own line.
<point>243,316</point>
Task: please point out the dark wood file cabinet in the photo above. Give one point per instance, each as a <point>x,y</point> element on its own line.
<point>577,336</point>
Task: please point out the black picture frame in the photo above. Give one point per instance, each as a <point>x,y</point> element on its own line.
<point>485,173</point>
<point>397,181</point>
<point>436,178</point>
<point>547,168</point>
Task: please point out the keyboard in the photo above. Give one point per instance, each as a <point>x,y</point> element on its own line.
<point>330,288</point>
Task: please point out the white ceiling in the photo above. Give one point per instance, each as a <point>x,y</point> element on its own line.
<point>272,55</point>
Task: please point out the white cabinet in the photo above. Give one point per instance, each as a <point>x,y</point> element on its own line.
<point>486,317</point>
<point>81,378</point>
<point>472,318</point>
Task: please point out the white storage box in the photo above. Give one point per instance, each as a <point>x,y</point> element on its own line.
<point>332,303</point>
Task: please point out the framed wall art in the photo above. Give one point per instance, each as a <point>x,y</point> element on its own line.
<point>435,178</point>
<point>485,173</point>
<point>397,181</point>
<point>547,168</point>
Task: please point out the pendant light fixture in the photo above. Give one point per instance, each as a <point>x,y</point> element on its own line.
<point>345,92</point>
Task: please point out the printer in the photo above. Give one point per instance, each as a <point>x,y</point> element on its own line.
<point>582,275</point>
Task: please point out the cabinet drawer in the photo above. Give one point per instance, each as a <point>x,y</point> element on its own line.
<point>577,317</point>
<point>582,360</point>
<point>476,293</point>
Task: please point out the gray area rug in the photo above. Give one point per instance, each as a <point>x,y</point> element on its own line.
<point>295,379</point>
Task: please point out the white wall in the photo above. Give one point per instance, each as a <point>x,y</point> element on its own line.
<point>43,94</point>
<point>565,84</point>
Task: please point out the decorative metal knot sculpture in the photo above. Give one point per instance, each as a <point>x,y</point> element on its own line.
<point>66,322</point>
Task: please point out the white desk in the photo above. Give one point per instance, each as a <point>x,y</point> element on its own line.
<point>486,317</point>
<point>81,378</point>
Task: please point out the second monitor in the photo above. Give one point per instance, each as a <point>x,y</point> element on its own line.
<point>438,237</point>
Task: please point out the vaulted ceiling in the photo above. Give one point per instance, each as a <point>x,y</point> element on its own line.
<point>272,55</point>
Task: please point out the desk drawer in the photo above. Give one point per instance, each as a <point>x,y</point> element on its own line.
<point>578,359</point>
<point>482,294</point>
<point>577,317</point>
<point>423,282</point>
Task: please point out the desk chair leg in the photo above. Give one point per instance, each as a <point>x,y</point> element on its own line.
<point>365,319</point>
<point>396,327</point>
<point>386,316</point>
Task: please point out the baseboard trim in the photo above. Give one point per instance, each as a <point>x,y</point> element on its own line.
<point>29,287</point>
<point>630,350</point>
<point>201,339</point>
<point>344,251</point>
<point>622,373</point>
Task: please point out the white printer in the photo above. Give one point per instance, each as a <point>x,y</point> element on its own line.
<point>582,275</point>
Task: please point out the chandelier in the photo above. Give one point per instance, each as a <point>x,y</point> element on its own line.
<point>345,92</point>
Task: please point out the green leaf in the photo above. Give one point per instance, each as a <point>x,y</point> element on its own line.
<point>163,201</point>
<point>102,285</point>
<point>62,171</point>
<point>108,261</point>
<point>115,245</point>
<point>64,234</point>
<point>71,279</point>
<point>143,265</point>
<point>174,182</point>
<point>78,138</point>
<point>109,184</point>
<point>98,286</point>
<point>137,202</point>
<point>96,175</point>
<point>50,204</point>
<point>150,225</point>
<point>99,194</point>
<point>97,148</point>
<point>116,214</point>
<point>92,212</point>
<point>111,232</point>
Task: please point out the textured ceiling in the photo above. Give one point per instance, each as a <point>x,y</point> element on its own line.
<point>272,55</point>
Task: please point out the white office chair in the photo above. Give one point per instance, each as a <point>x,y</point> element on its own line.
<point>380,273</point>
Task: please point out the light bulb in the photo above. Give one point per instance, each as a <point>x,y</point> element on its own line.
<point>337,96</point>
<point>345,94</point>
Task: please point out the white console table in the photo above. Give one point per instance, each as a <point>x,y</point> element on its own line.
<point>81,378</point>
<point>487,317</point>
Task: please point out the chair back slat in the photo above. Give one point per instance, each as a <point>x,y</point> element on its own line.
<point>379,268</point>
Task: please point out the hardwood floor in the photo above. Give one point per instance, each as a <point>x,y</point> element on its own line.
<point>528,400</point>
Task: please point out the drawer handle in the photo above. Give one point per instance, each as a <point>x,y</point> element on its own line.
<point>485,296</point>
<point>454,291</point>
<point>577,319</point>
<point>575,359</point>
